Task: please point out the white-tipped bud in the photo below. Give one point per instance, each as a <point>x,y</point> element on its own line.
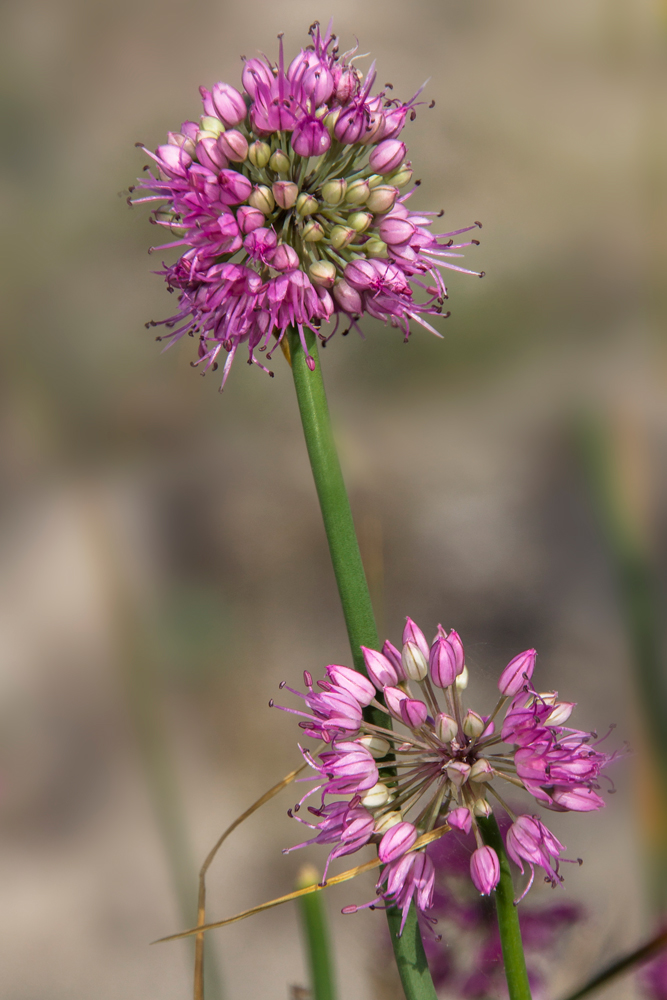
<point>312,232</point>
<point>482,808</point>
<point>473,724</point>
<point>212,125</point>
<point>445,728</point>
<point>357,192</point>
<point>259,154</point>
<point>481,771</point>
<point>184,141</point>
<point>462,680</point>
<point>375,248</point>
<point>377,746</point>
<point>386,822</point>
<point>375,796</point>
<point>374,180</point>
<point>560,714</point>
<point>415,664</point>
<point>261,197</point>
<point>333,192</point>
<point>458,772</point>
<point>401,177</point>
<point>382,198</point>
<point>306,204</point>
<point>360,221</point>
<point>331,119</point>
<point>340,236</point>
<point>322,272</point>
<point>279,162</point>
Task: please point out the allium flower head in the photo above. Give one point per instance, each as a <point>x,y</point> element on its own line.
<point>442,764</point>
<point>286,199</point>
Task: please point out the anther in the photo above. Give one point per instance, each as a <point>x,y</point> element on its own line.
<point>290,814</point>
<point>450,244</point>
<point>389,86</point>
<point>440,213</point>
<point>478,224</point>
<point>139,145</point>
<point>417,183</point>
<point>191,333</point>
<point>482,274</point>
<point>271,701</point>
<point>413,115</point>
<point>215,366</point>
<point>282,685</point>
<point>297,807</point>
<point>432,104</point>
<point>580,861</point>
<point>272,374</point>
<point>476,242</point>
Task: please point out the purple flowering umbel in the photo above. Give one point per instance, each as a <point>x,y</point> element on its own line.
<point>446,765</point>
<point>286,196</point>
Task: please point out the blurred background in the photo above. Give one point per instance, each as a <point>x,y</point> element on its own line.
<point>163,563</point>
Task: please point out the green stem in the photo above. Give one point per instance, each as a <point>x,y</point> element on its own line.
<point>627,963</point>
<point>316,933</point>
<point>355,599</point>
<point>508,916</point>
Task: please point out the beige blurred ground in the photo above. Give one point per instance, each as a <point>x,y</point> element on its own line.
<point>163,566</point>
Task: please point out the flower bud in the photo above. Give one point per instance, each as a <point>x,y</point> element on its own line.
<point>460,819</point>
<point>374,180</point>
<point>285,193</point>
<point>350,125</point>
<point>482,808</point>
<point>481,770</point>
<point>351,680</point>
<point>395,231</point>
<point>375,248</point>
<point>413,712</point>
<point>234,145</point>
<point>387,156</point>
<point>393,698</point>
<point>413,633</point>
<point>442,663</point>
<point>473,724</point>
<point>284,258</point>
<point>211,125</point>
<point>234,187</point>
<point>415,665</point>
<point>560,714</point>
<point>184,142</point>
<point>402,176</point>
<point>259,154</point>
<point>399,839</point>
<point>378,667</point>
<point>454,640</point>
<point>323,272</point>
<point>360,221</point>
<point>462,680</point>
<point>279,162</point>
<point>375,796</point>
<point>517,672</point>
<point>374,129</point>
<point>357,192</point>
<point>306,204</point>
<point>249,218</point>
<point>228,103</point>
<point>340,236</point>
<point>394,657</point>
<point>375,744</point>
<point>387,821</point>
<point>348,298</point>
<point>333,192</point>
<point>382,198</point>
<point>310,138</point>
<point>262,199</point>
<point>312,232</point>
<point>445,728</point>
<point>209,154</point>
<point>458,772</point>
<point>485,869</point>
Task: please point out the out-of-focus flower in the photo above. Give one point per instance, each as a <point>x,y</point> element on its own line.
<point>308,153</point>
<point>445,764</point>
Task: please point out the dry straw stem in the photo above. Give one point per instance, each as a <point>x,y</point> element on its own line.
<point>201,903</point>
<point>427,838</point>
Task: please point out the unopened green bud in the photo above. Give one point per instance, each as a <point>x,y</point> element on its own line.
<point>261,198</point>
<point>374,180</point>
<point>481,770</point>
<point>375,796</point>
<point>377,746</point>
<point>306,204</point>
<point>386,822</point>
<point>259,154</point>
<point>212,125</point>
<point>360,221</point>
<point>323,272</point>
<point>312,232</point>
<point>462,680</point>
<point>482,808</point>
<point>285,193</point>
<point>331,120</point>
<point>402,176</point>
<point>382,198</point>
<point>357,192</point>
<point>333,192</point>
<point>473,724</point>
<point>375,248</point>
<point>340,236</point>
<point>279,162</point>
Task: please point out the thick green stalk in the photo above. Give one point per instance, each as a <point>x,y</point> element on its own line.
<point>355,598</point>
<point>316,934</point>
<point>508,916</point>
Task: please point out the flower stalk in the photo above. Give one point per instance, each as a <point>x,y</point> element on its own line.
<point>355,600</point>
<point>316,934</point>
<point>508,915</point>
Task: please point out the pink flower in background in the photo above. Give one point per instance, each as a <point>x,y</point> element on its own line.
<point>309,159</point>
<point>443,762</point>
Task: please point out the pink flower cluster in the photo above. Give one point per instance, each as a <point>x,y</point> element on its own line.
<point>287,198</point>
<point>442,762</point>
